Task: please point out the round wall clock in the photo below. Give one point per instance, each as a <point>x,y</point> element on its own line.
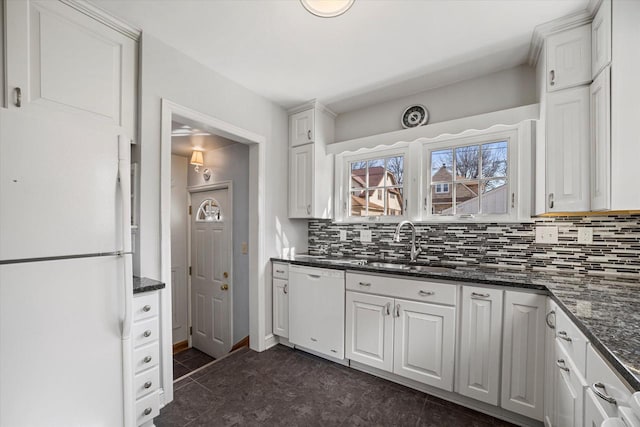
<point>415,115</point>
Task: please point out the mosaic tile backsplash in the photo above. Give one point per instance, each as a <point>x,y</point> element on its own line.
<point>615,248</point>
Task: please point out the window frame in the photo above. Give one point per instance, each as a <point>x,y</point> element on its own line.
<point>511,137</point>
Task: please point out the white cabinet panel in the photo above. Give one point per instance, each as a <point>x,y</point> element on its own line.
<point>549,360</point>
<point>523,354</point>
<point>424,343</point>
<point>569,58</point>
<point>568,150</point>
<point>301,181</point>
<point>594,414</point>
<point>601,141</point>
<point>369,330</point>
<point>570,385</point>
<point>281,308</point>
<point>480,338</point>
<point>302,128</point>
<point>60,58</point>
<point>601,38</point>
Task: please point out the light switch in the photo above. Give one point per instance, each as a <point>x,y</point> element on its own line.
<point>343,235</point>
<point>365,236</point>
<point>245,249</point>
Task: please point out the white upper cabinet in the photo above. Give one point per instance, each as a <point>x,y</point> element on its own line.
<point>60,58</point>
<point>567,150</point>
<point>601,38</point>
<point>569,58</point>
<point>523,354</point>
<point>480,339</point>
<point>301,181</point>
<point>301,127</point>
<point>600,103</point>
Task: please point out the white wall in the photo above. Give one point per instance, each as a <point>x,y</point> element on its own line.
<point>509,88</point>
<point>231,163</point>
<point>179,252</point>
<point>167,73</point>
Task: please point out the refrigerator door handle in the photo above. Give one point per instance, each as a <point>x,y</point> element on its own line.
<point>124,182</point>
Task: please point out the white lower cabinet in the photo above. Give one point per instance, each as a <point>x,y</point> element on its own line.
<point>281,307</point>
<point>413,339</point>
<point>549,360</point>
<point>523,354</point>
<point>569,390</point>
<point>480,339</point>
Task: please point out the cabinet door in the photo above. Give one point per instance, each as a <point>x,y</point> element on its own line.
<point>601,38</point>
<point>301,128</point>
<point>594,414</point>
<point>369,329</point>
<point>568,150</point>
<point>301,181</point>
<point>480,338</point>
<point>601,141</point>
<point>570,385</point>
<point>569,58</point>
<point>280,308</point>
<point>523,354</point>
<point>59,58</point>
<point>424,343</point>
<point>549,360</point>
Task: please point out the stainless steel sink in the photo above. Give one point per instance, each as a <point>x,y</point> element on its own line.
<point>388,265</point>
<point>429,269</point>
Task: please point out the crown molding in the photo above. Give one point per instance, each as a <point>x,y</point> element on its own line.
<point>312,104</point>
<point>104,17</point>
<point>568,22</point>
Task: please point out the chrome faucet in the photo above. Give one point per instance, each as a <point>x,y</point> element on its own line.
<point>396,238</point>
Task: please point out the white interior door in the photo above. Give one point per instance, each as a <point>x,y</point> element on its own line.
<point>211,279</point>
<point>179,252</point>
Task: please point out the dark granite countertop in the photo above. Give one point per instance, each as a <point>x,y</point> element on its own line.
<point>144,284</point>
<point>606,308</point>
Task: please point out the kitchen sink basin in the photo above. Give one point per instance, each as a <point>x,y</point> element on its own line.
<point>429,269</point>
<point>388,265</point>
<point>409,267</point>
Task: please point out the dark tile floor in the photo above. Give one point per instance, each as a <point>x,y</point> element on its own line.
<point>285,387</point>
<point>188,361</point>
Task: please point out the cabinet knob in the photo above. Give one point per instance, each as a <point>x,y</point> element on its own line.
<point>146,308</point>
<point>147,411</point>
<point>224,287</point>
<point>147,333</point>
<point>147,359</point>
<point>148,384</point>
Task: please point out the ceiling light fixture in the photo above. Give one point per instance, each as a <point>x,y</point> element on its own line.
<point>327,8</point>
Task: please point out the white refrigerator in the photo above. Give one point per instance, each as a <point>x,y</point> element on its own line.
<point>65,271</point>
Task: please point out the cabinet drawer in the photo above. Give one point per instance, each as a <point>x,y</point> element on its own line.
<point>146,357</point>
<point>599,372</point>
<point>145,306</point>
<point>280,270</point>
<point>147,382</point>
<point>147,408</point>
<point>145,332</point>
<point>572,340</point>
<point>418,290</point>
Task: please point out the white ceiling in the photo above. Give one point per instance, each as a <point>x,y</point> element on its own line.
<point>184,145</point>
<point>378,50</point>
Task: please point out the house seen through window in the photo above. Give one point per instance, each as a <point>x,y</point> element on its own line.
<point>376,187</point>
<point>469,179</point>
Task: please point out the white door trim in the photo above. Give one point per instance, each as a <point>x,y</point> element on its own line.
<point>220,185</point>
<point>257,258</point>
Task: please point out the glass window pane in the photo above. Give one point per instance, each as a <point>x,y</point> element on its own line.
<point>467,162</point>
<point>376,173</point>
<point>494,159</point>
<point>441,165</point>
<point>467,200</point>
<point>394,201</point>
<point>358,203</point>
<point>395,169</point>
<point>495,196</point>
<point>441,203</point>
<point>358,174</point>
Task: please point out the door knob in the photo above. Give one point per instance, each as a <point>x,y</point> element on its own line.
<point>224,287</point>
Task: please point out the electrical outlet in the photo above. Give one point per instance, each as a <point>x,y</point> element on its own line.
<point>547,234</point>
<point>365,236</point>
<point>343,235</point>
<point>245,248</point>
<point>585,236</point>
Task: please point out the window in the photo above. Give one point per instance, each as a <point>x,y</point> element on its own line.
<point>376,186</point>
<point>469,179</point>
<point>209,211</point>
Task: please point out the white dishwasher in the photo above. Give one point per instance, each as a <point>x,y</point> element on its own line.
<point>316,309</point>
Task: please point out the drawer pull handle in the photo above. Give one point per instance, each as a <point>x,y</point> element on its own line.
<point>547,319</point>
<point>606,398</point>
<point>387,309</point>
<point>148,384</point>
<point>397,310</point>
<point>561,364</point>
<point>285,289</point>
<point>280,271</point>
<point>364,284</point>
<point>564,336</point>
<point>313,339</point>
<point>147,359</point>
<point>477,295</point>
<point>147,333</point>
<point>18,102</point>
<point>309,134</point>
<point>146,308</point>
<point>426,293</point>
<point>552,75</point>
<point>147,411</point>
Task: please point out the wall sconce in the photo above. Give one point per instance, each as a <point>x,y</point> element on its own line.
<point>197,160</point>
